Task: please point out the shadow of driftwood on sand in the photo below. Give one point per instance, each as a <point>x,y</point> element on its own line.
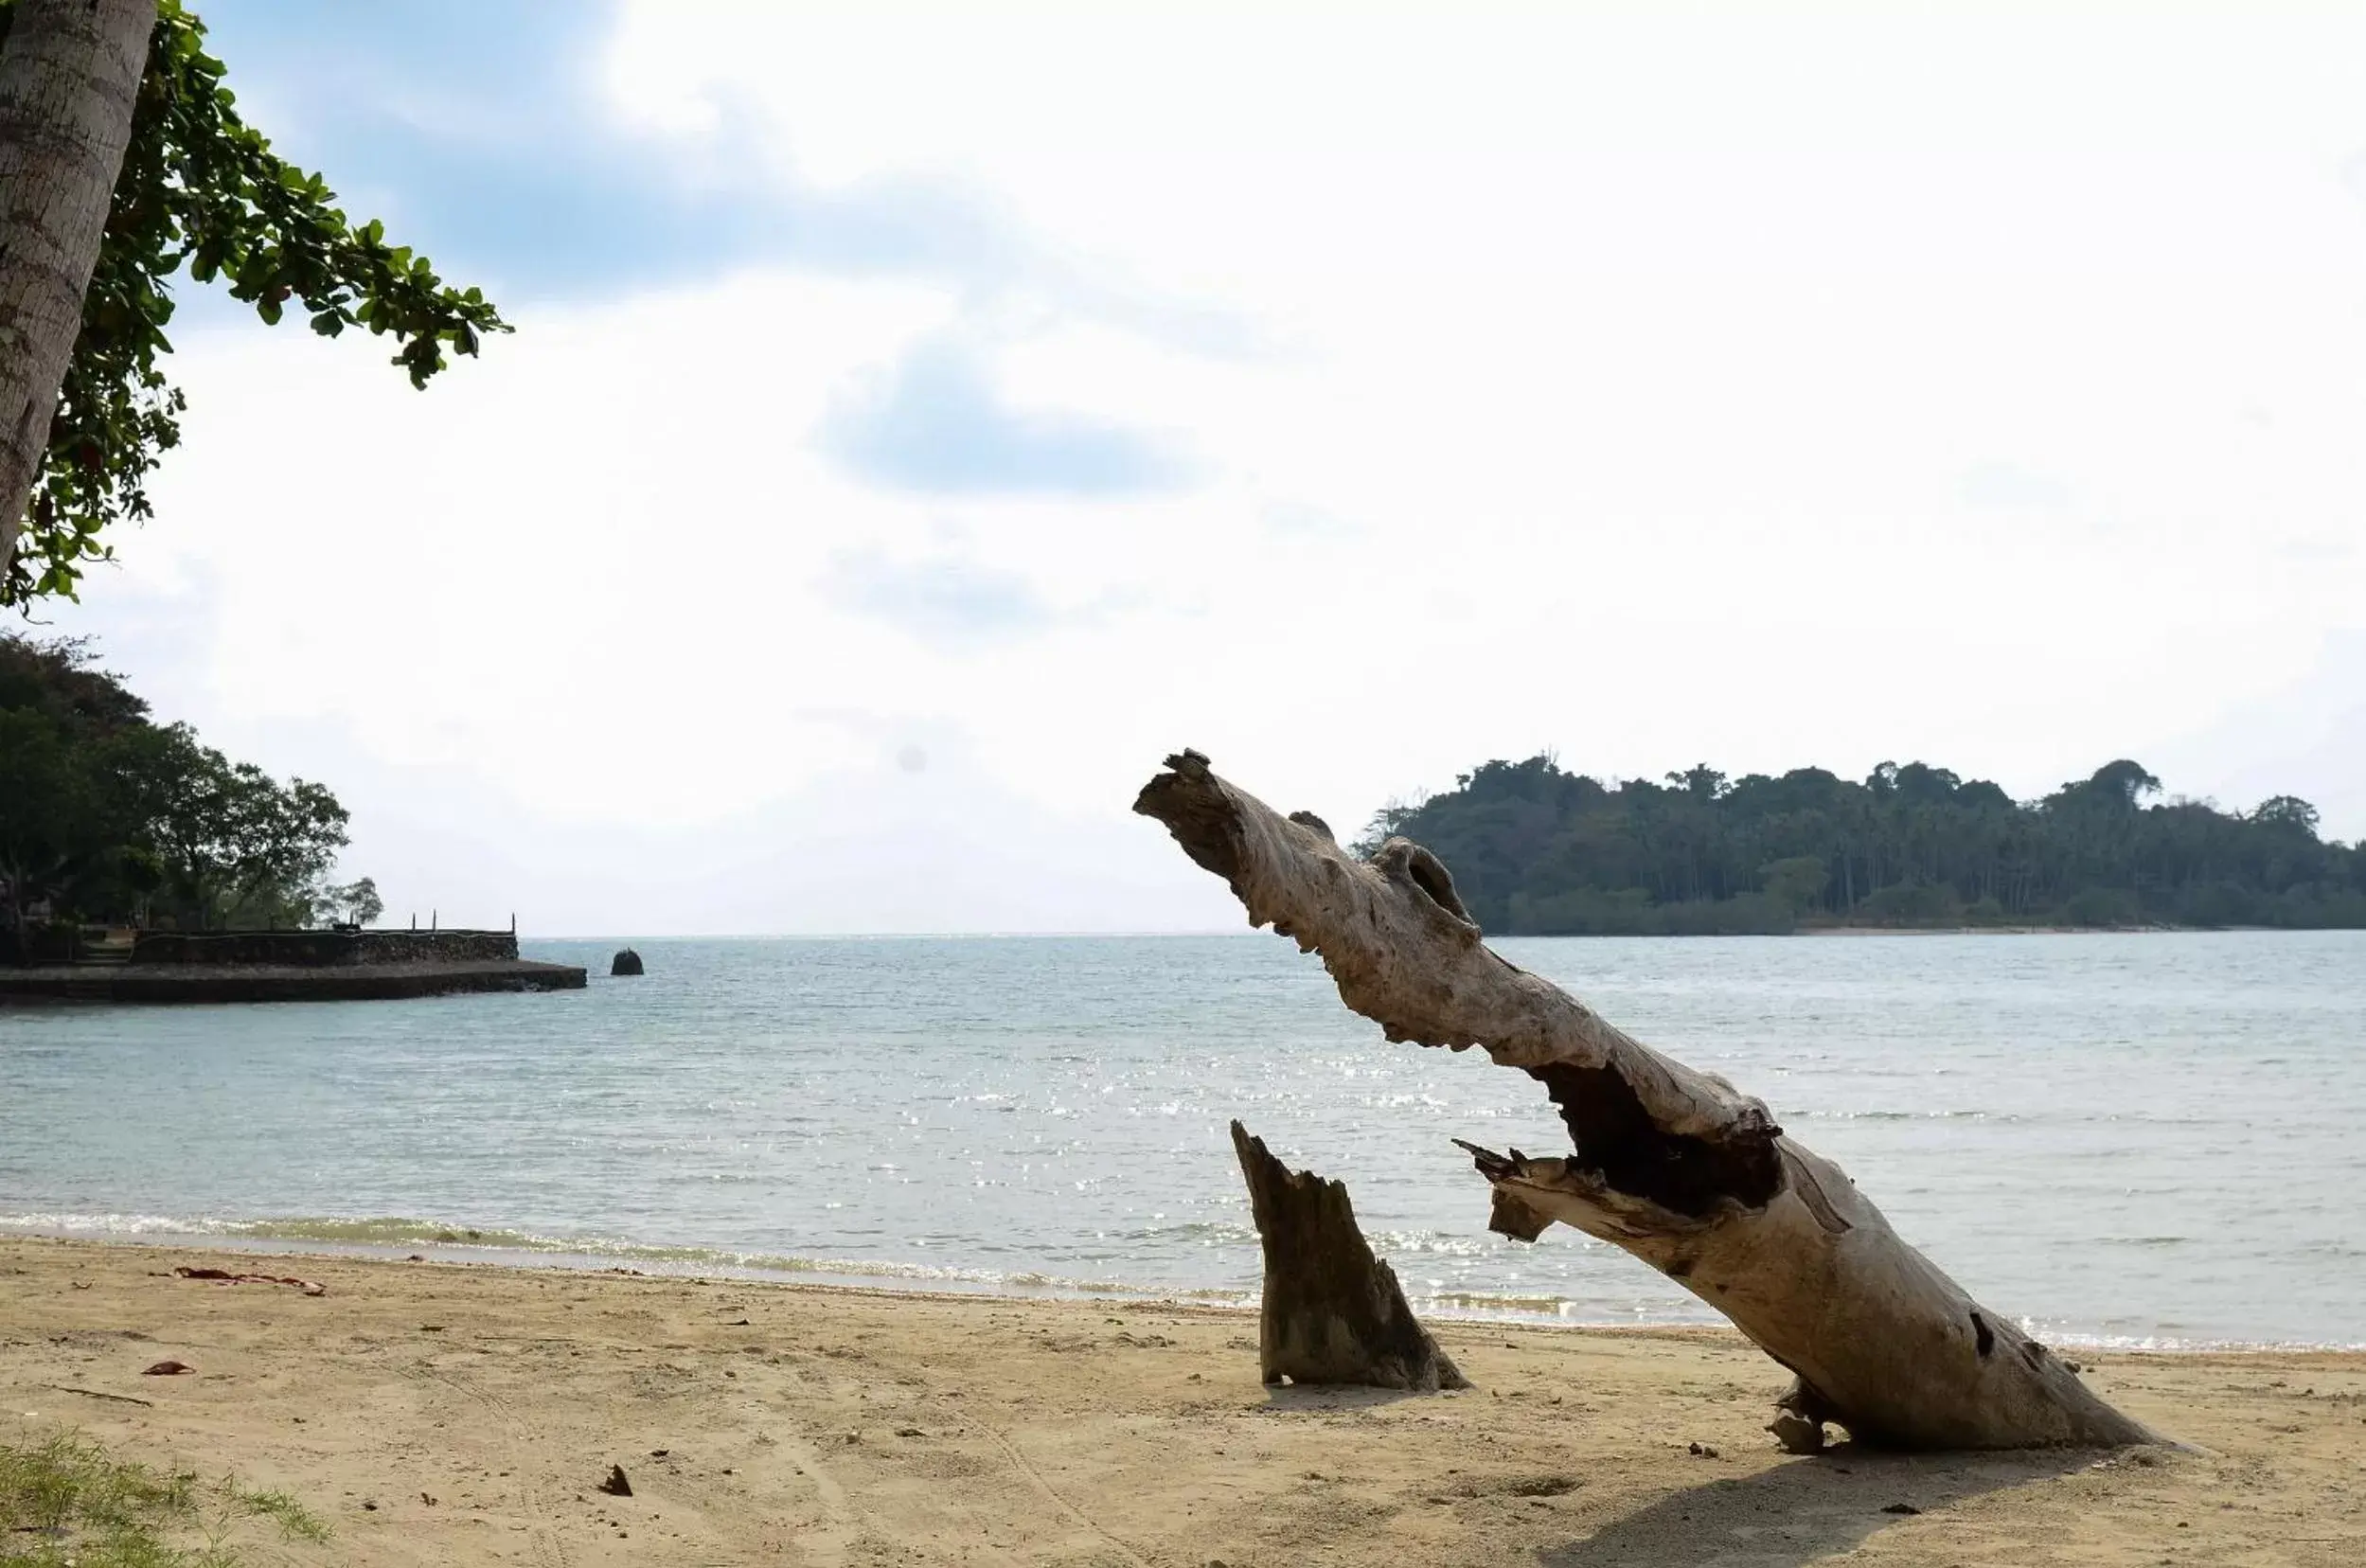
<point>1802,1510</point>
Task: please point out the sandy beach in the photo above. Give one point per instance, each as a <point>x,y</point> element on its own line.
<point>762,1424</point>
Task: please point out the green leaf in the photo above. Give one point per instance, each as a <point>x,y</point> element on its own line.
<point>203,195</point>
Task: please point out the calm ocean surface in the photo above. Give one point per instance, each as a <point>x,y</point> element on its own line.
<point>2125,1138</point>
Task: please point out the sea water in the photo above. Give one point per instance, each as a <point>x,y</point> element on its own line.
<point>2155,1138</point>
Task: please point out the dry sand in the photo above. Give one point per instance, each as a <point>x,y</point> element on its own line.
<point>776,1424</point>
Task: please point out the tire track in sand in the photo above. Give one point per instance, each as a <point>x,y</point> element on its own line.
<point>1078,1515</point>
<point>543,1539</point>
<point>826,1544</point>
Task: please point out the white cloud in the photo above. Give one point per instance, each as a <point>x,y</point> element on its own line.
<point>1649,370</point>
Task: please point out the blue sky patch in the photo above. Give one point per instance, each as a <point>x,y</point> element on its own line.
<point>945,601</point>
<point>936,426</point>
<point>479,134</point>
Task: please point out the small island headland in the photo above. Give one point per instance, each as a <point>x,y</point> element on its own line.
<point>1537,851</point>
<point>139,865</point>
<point>294,966</point>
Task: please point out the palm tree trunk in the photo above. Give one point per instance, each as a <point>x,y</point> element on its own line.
<point>69,78</point>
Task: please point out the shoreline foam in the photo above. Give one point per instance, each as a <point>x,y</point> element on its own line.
<point>390,1239</point>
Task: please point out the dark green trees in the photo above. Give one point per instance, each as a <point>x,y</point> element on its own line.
<point>105,816</point>
<point>1536,849</point>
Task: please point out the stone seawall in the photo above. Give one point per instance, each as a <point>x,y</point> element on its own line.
<point>225,982</point>
<point>323,949</point>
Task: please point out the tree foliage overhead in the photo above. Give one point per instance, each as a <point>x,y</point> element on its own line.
<point>202,192</point>
<point>1539,850</point>
<point>108,817</point>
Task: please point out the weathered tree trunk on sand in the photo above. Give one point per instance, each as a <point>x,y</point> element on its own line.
<point>69,75</point>
<point>1333,1313</point>
<point>1673,1164</point>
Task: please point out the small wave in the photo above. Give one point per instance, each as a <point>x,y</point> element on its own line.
<point>1902,1116</point>
<point>1498,1301</point>
<point>108,1224</point>
<point>379,1231</point>
<point>1386,1243</point>
<point>1201,1231</point>
<point>2086,1338</point>
<point>390,1232</point>
<point>2077,1340</point>
<point>1434,1244</point>
<point>1521,1307</point>
<point>385,1235</point>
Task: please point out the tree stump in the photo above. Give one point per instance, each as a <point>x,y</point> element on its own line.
<point>627,962</point>
<point>1333,1313</point>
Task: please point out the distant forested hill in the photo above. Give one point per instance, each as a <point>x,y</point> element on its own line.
<point>1536,850</point>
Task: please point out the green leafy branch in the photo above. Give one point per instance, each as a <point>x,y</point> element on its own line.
<point>200,189</point>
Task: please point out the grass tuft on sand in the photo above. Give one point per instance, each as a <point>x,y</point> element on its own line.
<point>66,1503</point>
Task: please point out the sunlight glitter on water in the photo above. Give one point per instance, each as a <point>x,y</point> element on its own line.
<point>1050,1114</point>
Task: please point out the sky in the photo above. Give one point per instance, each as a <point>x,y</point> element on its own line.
<point>923,418</point>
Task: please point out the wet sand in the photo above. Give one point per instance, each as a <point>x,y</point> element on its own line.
<point>762,1424</point>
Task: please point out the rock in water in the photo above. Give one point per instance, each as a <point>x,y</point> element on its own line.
<point>1333,1312</point>
<point>627,962</point>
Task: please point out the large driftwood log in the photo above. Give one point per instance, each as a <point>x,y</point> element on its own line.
<point>1671,1164</point>
<point>1333,1313</point>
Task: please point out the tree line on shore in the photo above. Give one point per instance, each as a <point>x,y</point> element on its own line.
<point>1538,850</point>
<point>109,817</point>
